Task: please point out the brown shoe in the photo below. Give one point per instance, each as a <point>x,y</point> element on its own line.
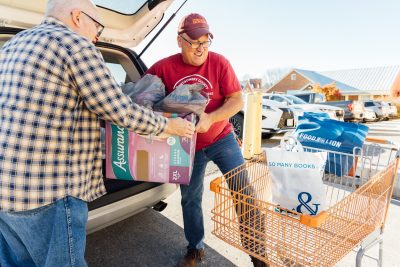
<point>192,257</point>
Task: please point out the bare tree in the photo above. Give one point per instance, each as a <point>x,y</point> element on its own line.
<point>271,76</point>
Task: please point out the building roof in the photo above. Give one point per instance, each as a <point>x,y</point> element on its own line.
<point>321,79</point>
<point>367,79</point>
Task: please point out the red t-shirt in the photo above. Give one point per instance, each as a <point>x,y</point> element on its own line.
<point>219,79</point>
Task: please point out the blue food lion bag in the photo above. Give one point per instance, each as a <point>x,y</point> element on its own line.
<point>323,133</point>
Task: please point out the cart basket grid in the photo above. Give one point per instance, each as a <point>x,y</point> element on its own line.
<point>357,205</point>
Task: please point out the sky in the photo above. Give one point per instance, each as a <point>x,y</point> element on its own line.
<point>260,35</point>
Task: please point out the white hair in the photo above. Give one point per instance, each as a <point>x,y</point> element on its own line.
<point>61,8</point>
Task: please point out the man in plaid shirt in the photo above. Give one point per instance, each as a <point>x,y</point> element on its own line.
<point>54,89</point>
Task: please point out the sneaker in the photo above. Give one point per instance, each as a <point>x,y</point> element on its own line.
<point>192,257</point>
<point>258,263</point>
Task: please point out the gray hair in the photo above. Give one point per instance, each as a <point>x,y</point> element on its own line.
<point>61,8</point>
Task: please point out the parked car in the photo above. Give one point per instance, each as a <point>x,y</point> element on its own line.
<point>381,111</point>
<point>369,115</point>
<point>275,120</point>
<point>123,198</point>
<point>353,109</point>
<point>393,110</point>
<point>386,109</point>
<point>299,106</point>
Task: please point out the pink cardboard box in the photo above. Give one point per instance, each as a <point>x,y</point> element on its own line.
<point>134,157</point>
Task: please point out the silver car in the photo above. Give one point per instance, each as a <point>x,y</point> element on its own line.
<point>369,115</point>
<point>381,111</point>
<point>393,110</point>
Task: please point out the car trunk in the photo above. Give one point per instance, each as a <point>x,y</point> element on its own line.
<point>123,31</point>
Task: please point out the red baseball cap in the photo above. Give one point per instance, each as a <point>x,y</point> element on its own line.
<point>195,26</point>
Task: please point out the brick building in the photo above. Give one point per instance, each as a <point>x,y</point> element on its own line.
<point>357,84</point>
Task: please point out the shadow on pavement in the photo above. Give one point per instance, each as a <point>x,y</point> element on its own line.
<point>146,239</point>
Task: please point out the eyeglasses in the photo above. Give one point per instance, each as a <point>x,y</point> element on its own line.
<point>197,44</point>
<point>99,26</point>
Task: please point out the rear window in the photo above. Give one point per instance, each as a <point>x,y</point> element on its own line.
<point>295,99</point>
<point>118,72</point>
<point>277,98</point>
<point>369,104</point>
<point>306,98</point>
<point>124,7</point>
<point>4,38</point>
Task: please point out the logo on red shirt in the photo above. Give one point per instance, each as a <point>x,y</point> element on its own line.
<point>196,78</point>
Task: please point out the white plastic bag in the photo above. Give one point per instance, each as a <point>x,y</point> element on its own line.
<point>296,178</point>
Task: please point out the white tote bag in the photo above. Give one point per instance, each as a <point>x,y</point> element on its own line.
<point>297,180</point>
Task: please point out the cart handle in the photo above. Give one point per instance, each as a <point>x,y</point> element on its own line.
<point>378,140</point>
<point>314,221</point>
<point>215,185</point>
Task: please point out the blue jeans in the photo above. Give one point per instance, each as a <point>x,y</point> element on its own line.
<point>226,154</point>
<point>52,235</point>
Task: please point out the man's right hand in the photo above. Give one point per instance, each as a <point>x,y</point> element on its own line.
<point>179,126</point>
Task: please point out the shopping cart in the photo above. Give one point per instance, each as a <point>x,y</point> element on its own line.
<point>357,202</point>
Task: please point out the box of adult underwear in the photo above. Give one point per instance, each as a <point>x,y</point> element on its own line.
<point>130,156</point>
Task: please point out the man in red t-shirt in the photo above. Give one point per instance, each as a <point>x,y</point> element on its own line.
<point>215,138</point>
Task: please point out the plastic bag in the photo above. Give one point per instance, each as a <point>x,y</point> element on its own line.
<point>186,98</point>
<point>337,136</point>
<point>146,91</point>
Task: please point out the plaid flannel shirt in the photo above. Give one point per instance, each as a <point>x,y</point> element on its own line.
<point>54,89</point>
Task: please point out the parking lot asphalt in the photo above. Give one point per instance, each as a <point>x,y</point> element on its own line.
<point>157,239</point>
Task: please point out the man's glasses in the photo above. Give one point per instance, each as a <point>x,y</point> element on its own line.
<point>196,45</point>
<point>99,26</point>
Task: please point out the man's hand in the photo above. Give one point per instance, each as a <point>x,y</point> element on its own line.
<point>204,123</point>
<point>179,126</point>
<point>232,105</point>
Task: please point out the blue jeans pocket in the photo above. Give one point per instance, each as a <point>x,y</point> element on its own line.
<point>30,213</point>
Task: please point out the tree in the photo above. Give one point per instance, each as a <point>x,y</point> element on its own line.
<point>271,76</point>
<point>330,91</point>
<point>246,77</point>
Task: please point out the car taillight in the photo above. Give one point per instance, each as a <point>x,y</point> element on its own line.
<point>350,106</point>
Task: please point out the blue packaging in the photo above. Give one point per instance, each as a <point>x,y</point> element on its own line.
<point>323,133</point>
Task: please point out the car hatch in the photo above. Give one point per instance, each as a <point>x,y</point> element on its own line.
<point>126,23</point>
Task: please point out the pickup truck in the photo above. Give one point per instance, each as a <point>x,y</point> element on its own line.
<point>275,120</point>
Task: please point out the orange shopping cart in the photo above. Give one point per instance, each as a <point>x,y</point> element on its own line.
<point>357,205</point>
